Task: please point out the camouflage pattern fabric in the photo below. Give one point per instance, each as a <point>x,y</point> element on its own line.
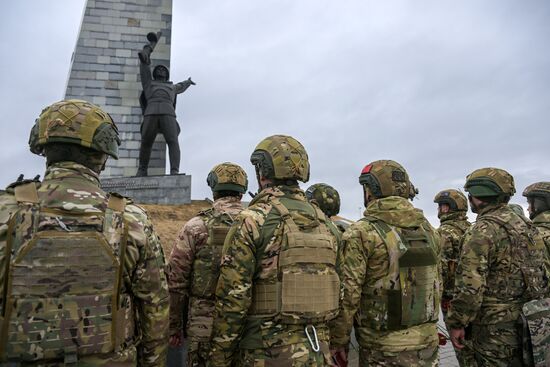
<point>77,122</point>
<point>281,157</point>
<point>426,357</point>
<point>537,319</point>
<point>238,339</point>
<point>73,188</point>
<point>453,227</point>
<point>542,222</point>
<point>501,267</point>
<point>364,258</point>
<point>191,239</point>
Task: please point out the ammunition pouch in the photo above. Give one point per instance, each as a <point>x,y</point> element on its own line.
<point>534,330</point>
<point>414,300</point>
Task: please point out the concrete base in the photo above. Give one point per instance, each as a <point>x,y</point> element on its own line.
<point>166,189</point>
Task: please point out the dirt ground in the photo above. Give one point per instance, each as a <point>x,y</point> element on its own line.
<point>168,219</point>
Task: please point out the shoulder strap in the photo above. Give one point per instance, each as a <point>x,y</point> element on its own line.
<point>116,203</point>
<point>27,193</point>
<point>285,214</point>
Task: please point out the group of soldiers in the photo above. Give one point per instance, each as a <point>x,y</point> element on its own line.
<point>282,282</point>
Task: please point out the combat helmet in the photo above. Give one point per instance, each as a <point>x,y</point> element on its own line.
<point>281,157</point>
<point>538,192</point>
<point>227,176</point>
<point>455,199</point>
<point>387,178</point>
<point>326,197</point>
<point>77,122</point>
<point>490,182</point>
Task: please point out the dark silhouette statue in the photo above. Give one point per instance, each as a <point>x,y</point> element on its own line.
<point>158,103</point>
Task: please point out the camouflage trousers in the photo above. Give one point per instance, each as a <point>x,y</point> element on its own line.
<point>427,357</point>
<point>293,355</point>
<point>197,354</point>
<point>497,345</point>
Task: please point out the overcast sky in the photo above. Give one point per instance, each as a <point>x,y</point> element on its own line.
<point>443,87</point>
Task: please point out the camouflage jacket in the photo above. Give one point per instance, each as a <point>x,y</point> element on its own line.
<point>192,237</point>
<point>500,252</point>
<point>364,260</point>
<point>69,186</point>
<point>542,222</point>
<point>239,270</point>
<point>452,229</point>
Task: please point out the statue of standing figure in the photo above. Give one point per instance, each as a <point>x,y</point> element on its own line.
<point>158,104</point>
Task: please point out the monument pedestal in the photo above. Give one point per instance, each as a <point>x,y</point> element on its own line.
<point>165,189</point>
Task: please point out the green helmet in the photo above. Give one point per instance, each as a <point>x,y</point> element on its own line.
<point>77,122</point>
<point>326,197</point>
<point>387,178</point>
<point>227,176</point>
<point>518,209</point>
<point>281,157</point>
<point>455,199</point>
<point>537,189</point>
<point>486,182</point>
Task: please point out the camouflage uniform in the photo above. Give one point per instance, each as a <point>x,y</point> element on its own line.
<point>93,257</point>
<point>74,188</point>
<point>540,216</point>
<point>453,226</point>
<point>372,268</point>
<point>257,258</point>
<point>194,267</point>
<point>501,267</point>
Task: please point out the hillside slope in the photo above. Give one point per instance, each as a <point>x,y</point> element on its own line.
<point>168,219</point>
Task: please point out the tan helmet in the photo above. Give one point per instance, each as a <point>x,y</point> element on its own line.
<point>387,178</point>
<point>487,182</point>
<point>77,122</point>
<point>537,189</point>
<point>227,176</point>
<point>455,199</point>
<point>281,157</point>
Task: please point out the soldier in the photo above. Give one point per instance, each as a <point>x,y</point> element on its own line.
<point>158,101</point>
<point>83,282</point>
<point>195,262</point>
<point>389,270</point>
<point>501,267</point>
<point>451,210</point>
<point>518,209</point>
<point>278,284</point>
<point>538,197</point>
<point>328,200</point>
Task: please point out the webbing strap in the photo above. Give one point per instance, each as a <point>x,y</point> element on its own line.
<point>26,193</point>
<point>285,215</point>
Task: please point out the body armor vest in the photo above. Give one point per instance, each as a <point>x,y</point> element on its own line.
<point>524,275</point>
<point>409,294</point>
<point>62,293</point>
<point>306,288</point>
<point>206,271</point>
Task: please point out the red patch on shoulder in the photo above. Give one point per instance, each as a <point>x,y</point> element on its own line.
<point>367,169</point>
